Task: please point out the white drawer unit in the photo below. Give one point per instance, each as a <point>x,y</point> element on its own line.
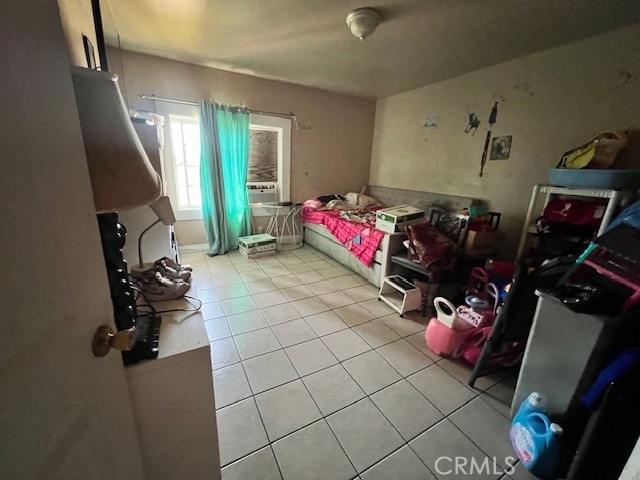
<point>400,294</point>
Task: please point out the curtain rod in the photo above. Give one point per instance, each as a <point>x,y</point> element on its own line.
<point>186,102</point>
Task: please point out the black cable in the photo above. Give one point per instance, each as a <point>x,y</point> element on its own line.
<point>153,309</point>
<point>148,304</point>
<point>196,309</point>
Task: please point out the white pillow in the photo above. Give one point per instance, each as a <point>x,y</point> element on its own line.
<point>360,199</point>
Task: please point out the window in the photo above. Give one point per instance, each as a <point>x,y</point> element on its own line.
<point>262,176</point>
<point>185,142</point>
<point>269,160</point>
<point>182,158</point>
<point>263,156</point>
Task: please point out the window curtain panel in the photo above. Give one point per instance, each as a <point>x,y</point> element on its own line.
<point>224,161</point>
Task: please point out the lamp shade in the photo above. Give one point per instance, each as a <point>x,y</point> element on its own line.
<point>121,175</point>
<point>163,209</point>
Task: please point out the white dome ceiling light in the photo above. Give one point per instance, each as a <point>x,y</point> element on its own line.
<point>363,21</point>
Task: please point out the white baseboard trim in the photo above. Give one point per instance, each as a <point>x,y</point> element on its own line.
<point>198,248</point>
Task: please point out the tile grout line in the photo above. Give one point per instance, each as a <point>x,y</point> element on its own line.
<point>253,397</point>
<point>477,394</point>
<point>324,417</point>
<point>368,396</point>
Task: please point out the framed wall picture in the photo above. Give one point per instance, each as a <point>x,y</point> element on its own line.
<point>500,147</point>
<point>89,52</point>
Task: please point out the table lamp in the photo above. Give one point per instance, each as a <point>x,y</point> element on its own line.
<point>163,209</point>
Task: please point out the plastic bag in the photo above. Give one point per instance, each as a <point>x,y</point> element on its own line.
<point>599,153</point>
<point>579,157</point>
<point>608,144</point>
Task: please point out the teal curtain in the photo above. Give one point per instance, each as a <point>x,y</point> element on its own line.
<point>224,161</point>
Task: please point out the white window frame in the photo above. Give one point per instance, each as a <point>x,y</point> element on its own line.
<point>283,127</point>
<point>179,110</point>
<point>257,122</point>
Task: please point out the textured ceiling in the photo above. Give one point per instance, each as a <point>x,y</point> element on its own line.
<point>307,41</point>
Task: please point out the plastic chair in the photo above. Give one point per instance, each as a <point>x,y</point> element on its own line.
<point>515,317</point>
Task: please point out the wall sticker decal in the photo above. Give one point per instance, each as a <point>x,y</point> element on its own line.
<point>493,116</point>
<point>474,123</point>
<point>430,121</point>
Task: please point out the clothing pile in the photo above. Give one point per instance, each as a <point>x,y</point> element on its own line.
<point>164,280</point>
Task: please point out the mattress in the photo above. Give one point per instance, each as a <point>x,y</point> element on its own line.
<point>323,232</point>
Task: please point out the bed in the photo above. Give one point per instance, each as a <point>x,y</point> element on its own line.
<point>374,264</point>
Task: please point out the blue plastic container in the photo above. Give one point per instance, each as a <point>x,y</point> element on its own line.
<point>535,439</point>
<point>591,178</point>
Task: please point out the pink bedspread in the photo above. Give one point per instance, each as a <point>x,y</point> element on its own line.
<point>361,239</point>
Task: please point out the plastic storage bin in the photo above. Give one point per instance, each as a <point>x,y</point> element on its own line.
<point>586,178</point>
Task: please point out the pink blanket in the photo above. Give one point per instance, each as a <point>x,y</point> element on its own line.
<point>361,239</point>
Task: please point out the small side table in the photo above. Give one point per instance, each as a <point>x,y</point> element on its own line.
<point>285,224</point>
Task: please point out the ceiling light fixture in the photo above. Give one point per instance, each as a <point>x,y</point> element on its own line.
<point>363,21</point>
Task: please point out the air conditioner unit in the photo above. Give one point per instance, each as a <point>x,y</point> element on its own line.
<point>262,192</point>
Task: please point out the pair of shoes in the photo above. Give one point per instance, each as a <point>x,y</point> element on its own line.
<point>172,270</point>
<point>176,265</point>
<point>157,287</point>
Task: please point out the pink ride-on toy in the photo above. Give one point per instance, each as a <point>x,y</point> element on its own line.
<point>447,333</point>
<point>450,332</point>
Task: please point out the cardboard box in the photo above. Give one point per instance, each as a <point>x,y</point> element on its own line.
<point>255,253</point>
<point>259,249</point>
<point>389,227</point>
<point>252,241</point>
<point>255,246</point>
<point>480,243</point>
<point>399,214</point>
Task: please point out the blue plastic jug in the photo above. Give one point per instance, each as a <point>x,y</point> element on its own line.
<point>535,439</point>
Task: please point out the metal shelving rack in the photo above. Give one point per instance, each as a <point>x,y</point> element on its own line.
<point>615,199</point>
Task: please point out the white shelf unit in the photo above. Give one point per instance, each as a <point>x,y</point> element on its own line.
<point>174,403</point>
<point>615,198</point>
<point>397,292</point>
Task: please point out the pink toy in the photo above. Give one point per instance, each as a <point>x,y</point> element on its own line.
<point>472,317</point>
<point>472,350</point>
<point>450,333</point>
<point>476,342</point>
<point>481,316</point>
<point>447,333</point>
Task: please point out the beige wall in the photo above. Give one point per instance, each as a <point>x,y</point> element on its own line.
<point>77,20</point>
<point>329,154</point>
<point>550,102</point>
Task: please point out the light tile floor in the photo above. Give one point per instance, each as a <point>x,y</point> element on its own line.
<point>316,379</point>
